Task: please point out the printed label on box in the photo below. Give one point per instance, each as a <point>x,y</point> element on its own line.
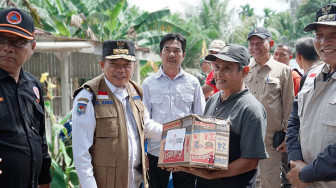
<point>221,161</point>
<point>170,156</point>
<point>222,144</point>
<point>175,139</point>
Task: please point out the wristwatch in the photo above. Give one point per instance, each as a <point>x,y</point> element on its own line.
<point>301,178</point>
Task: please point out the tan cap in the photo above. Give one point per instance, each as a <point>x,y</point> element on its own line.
<point>216,45</point>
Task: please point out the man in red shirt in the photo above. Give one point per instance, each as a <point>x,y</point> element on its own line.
<point>209,88</point>
<point>283,54</point>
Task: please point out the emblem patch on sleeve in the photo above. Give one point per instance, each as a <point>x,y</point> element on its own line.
<point>81,108</point>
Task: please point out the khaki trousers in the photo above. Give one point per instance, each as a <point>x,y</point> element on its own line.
<point>270,168</point>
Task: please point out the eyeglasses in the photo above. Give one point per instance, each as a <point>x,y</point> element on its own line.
<point>20,43</point>
<point>258,44</point>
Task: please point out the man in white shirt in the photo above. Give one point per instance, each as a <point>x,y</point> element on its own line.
<point>170,94</point>
<point>110,123</point>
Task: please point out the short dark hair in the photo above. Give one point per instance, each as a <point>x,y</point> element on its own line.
<point>289,47</point>
<point>173,36</point>
<point>305,47</point>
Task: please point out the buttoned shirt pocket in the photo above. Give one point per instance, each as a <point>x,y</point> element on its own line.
<point>159,106</point>
<point>272,86</point>
<point>107,122</point>
<point>184,104</point>
<point>37,117</point>
<point>329,123</point>
<point>3,111</point>
<point>330,118</point>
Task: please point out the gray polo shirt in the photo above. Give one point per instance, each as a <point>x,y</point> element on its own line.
<point>248,118</point>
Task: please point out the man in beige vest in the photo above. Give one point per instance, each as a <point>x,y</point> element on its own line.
<point>313,161</point>
<point>110,122</point>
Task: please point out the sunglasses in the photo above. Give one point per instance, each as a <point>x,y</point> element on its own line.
<point>18,42</point>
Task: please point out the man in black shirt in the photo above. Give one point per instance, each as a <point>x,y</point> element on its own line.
<point>25,161</point>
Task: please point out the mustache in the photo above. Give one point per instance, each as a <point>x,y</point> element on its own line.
<point>7,55</point>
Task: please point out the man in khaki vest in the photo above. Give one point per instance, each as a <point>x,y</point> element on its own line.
<point>110,122</point>
<point>312,139</point>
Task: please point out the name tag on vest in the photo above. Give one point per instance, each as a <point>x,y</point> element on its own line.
<point>104,102</point>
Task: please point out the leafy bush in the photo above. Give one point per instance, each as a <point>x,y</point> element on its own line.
<point>62,166</point>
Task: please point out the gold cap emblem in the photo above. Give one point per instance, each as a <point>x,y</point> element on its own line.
<point>225,49</point>
<point>326,9</point>
<point>121,44</point>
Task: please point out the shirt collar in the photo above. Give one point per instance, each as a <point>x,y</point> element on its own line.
<point>119,92</point>
<point>268,62</point>
<point>231,97</point>
<point>326,70</point>
<point>161,73</point>
<point>4,74</point>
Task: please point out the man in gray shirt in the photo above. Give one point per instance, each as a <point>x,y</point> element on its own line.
<point>248,118</point>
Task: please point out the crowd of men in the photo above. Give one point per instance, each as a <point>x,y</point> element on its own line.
<point>113,116</point>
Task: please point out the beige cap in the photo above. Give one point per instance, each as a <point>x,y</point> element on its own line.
<point>216,45</point>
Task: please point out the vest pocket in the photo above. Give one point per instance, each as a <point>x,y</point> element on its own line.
<point>141,108</point>
<point>330,113</point>
<point>104,170</point>
<point>107,122</point>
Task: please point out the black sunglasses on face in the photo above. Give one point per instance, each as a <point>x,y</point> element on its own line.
<point>20,43</point>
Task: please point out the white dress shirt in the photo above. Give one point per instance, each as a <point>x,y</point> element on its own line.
<point>168,99</point>
<point>83,128</point>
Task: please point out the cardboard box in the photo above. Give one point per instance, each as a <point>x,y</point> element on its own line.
<point>195,141</point>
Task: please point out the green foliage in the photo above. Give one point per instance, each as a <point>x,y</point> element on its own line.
<point>246,11</point>
<point>62,166</point>
<point>210,22</point>
<point>307,11</point>
<point>149,68</point>
<point>113,19</point>
<point>288,27</point>
<point>241,31</point>
<point>281,25</point>
<point>267,14</point>
<point>56,16</point>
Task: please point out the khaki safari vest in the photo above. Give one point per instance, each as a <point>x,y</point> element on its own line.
<point>316,109</point>
<point>109,150</point>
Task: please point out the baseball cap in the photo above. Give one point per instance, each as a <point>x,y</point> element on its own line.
<point>119,49</point>
<point>216,45</point>
<point>260,32</point>
<point>201,61</point>
<point>17,22</point>
<point>233,53</point>
<point>324,16</point>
